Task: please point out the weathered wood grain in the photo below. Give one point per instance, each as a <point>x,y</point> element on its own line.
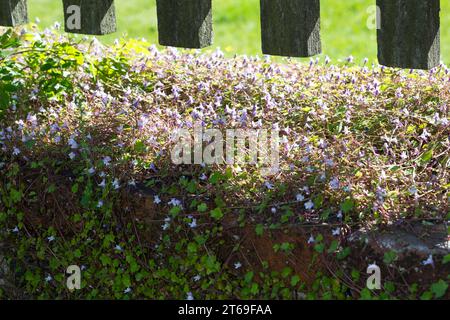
<point>409,33</point>
<point>291,27</point>
<point>13,12</point>
<point>96,17</point>
<point>185,23</point>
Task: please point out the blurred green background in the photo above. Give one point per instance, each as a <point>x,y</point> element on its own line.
<point>237,29</point>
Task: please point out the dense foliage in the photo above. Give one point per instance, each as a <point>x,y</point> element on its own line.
<point>87,178</point>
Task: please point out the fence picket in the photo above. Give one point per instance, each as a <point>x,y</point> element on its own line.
<point>89,17</point>
<point>409,34</point>
<point>13,12</point>
<point>291,27</point>
<point>186,24</point>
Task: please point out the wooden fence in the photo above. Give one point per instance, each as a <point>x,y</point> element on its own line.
<point>408,30</point>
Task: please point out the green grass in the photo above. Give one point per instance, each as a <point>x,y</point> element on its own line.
<point>237,29</point>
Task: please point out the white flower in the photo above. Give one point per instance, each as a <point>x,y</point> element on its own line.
<point>48,278</point>
<point>197,278</point>
<point>157,200</point>
<point>299,197</point>
<point>190,296</point>
<point>127,290</point>
<point>237,265</point>
<point>311,239</point>
<point>51,238</point>
<point>425,134</point>
<point>429,261</point>
<point>100,204</point>
<point>15,230</point>
<point>339,215</point>
<point>72,155</point>
<point>118,248</point>
<point>336,232</point>
<point>309,205</point>
<point>273,210</point>
<point>166,226</point>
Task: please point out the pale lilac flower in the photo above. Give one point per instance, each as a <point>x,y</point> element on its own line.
<point>175,202</point>
<point>118,248</point>
<point>309,205</point>
<point>116,184</point>
<point>311,240</point>
<point>107,161</point>
<point>73,144</point>
<point>127,290</point>
<point>72,155</point>
<point>429,261</point>
<point>413,190</point>
<point>299,197</point>
<point>157,200</point>
<point>102,184</point>
<point>189,297</point>
<point>268,185</point>
<point>334,183</point>
<point>336,232</point>
<point>51,239</point>
<point>193,223</point>
<point>237,265</point>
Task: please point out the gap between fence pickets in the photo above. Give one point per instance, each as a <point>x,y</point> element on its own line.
<point>408,31</point>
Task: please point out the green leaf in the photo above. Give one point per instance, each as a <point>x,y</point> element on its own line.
<point>446,259</point>
<point>347,205</point>
<point>295,280</point>
<point>389,257</point>
<point>426,157</point>
<point>439,288</point>
<point>202,207</point>
<point>217,214</point>
<point>319,247</point>
<point>259,230</point>
<point>192,247</point>
<point>139,146</point>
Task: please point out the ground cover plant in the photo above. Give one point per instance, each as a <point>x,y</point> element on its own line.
<point>87,177</point>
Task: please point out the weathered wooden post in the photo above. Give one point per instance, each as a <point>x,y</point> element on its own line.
<point>95,17</point>
<point>291,27</point>
<point>185,23</point>
<point>409,33</point>
<point>13,12</point>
